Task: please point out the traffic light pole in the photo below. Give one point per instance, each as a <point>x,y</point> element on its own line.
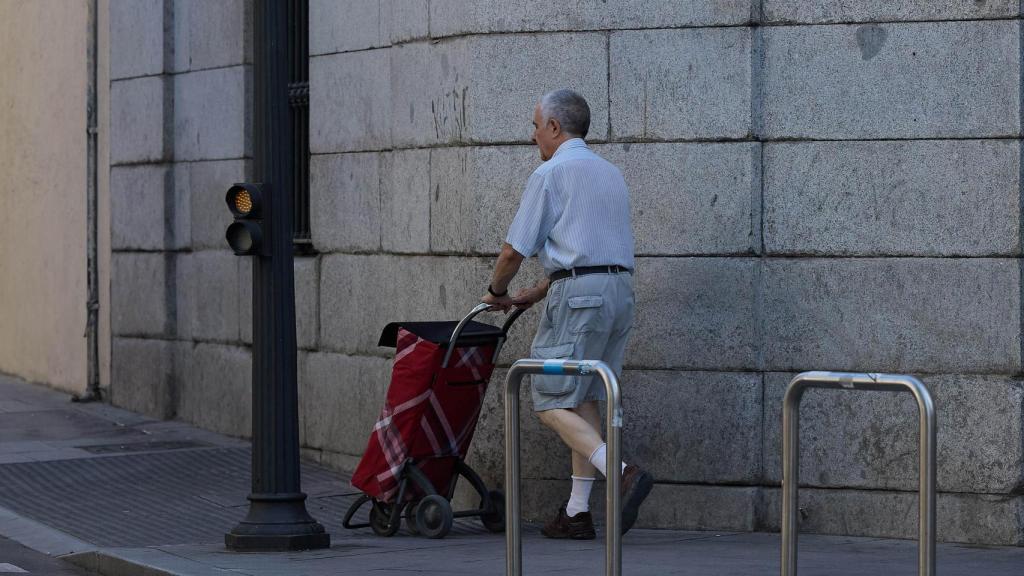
<point>277,518</point>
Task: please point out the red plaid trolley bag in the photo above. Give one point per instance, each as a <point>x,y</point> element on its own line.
<point>415,453</point>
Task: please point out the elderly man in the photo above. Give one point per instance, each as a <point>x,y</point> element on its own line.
<point>574,215</point>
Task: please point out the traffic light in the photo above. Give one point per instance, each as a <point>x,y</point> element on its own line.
<point>245,234</point>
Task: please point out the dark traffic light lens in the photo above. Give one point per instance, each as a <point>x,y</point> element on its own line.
<point>244,237</point>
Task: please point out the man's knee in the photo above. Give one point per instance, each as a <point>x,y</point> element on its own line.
<point>551,417</point>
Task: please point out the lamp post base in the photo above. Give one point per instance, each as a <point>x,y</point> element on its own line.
<point>277,523</point>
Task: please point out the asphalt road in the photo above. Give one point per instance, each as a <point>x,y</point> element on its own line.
<point>16,559</point>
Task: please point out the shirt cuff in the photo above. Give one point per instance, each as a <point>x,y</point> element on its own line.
<point>524,251</point>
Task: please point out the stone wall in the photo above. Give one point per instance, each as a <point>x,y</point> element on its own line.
<point>815,185</point>
<point>180,135</point>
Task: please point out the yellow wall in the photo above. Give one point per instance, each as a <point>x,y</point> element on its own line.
<point>43,290</point>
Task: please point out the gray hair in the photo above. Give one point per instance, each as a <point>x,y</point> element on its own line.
<point>569,108</point>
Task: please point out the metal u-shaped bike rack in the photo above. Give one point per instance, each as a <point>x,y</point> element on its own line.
<point>613,422</point>
<point>791,455</point>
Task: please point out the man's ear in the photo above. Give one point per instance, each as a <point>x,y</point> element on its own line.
<point>556,128</point>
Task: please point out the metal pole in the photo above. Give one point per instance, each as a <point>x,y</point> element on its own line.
<point>791,456</point>
<point>92,390</point>
<point>277,518</point>
<point>613,424</point>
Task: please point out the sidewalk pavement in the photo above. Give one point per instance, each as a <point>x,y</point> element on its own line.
<point>122,494</point>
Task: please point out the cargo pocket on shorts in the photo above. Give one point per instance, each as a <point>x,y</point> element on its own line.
<point>585,313</point>
<point>554,385</point>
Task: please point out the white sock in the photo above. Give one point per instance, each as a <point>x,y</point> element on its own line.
<point>579,500</point>
<point>600,459</point>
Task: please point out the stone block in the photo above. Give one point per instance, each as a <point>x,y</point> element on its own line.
<point>142,376</point>
<point>968,518</point>
<point>471,89</point>
<point>869,440</point>
<point>349,96</point>
<point>429,89</point>
<point>137,114</point>
<point>892,315</point>
<point>208,184</point>
<point>307,288</point>
<point>207,296</point>
<point>342,463</point>
<point>451,17</point>
<point>696,507</point>
<point>675,506</point>
<point>181,215</point>
<point>219,33</point>
<point>345,25</point>
<point>139,293</point>
<point>926,198</point>
<point>138,197</point>
<point>344,190</point>
<point>912,80</point>
<point>405,196</point>
<point>694,427</point>
<point>211,114</point>
<point>695,313</point>
<point>676,84</point>
<point>360,294</point>
<point>136,38</point>
<point>475,195</point>
<point>673,427</point>
<point>180,60</point>
<point>405,20</point>
<point>818,11</point>
<point>692,199</point>
<point>216,388</point>
<point>340,398</point>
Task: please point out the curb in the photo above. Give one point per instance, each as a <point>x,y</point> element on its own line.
<point>38,536</point>
<point>104,562</point>
<point>141,562</point>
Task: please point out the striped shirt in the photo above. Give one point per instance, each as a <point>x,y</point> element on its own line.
<point>574,212</point>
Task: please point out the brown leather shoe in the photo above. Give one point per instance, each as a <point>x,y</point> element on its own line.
<point>636,485</point>
<point>578,527</point>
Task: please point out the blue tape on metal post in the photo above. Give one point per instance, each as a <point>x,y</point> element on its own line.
<point>554,367</point>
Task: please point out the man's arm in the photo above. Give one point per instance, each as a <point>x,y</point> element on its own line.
<point>529,296</point>
<point>505,270</point>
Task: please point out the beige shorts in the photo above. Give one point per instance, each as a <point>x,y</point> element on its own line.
<point>585,318</point>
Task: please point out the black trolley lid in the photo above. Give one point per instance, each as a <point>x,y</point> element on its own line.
<point>473,333</point>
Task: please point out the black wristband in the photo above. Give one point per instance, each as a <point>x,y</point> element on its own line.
<point>495,294</point>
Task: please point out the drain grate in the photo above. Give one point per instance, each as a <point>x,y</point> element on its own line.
<point>164,498</point>
<point>156,446</point>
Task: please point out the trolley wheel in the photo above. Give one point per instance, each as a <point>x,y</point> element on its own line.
<point>380,520</point>
<point>494,518</point>
<point>434,516</point>
<point>410,517</point>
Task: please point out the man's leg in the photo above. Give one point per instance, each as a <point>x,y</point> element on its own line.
<point>575,431</point>
<point>581,465</point>
<point>574,520</point>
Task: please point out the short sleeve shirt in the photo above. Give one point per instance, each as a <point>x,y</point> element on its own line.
<point>574,212</point>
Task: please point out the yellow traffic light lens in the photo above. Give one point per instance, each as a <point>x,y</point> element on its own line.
<point>243,202</point>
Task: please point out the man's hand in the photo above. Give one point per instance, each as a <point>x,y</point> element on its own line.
<point>499,302</point>
<point>528,297</point>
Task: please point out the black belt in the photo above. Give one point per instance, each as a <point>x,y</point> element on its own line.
<point>584,270</point>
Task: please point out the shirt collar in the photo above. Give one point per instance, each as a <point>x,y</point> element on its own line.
<point>570,144</point>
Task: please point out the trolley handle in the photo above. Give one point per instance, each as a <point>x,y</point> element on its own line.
<point>481,307</point>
